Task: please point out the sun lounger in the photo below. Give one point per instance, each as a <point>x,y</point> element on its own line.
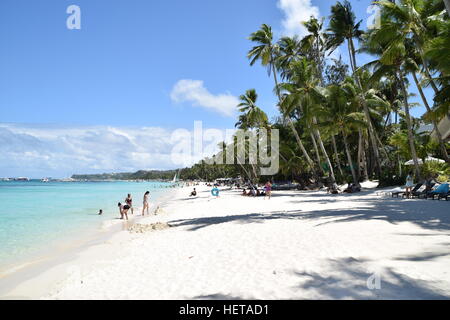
<point>439,192</point>
<point>423,192</point>
<point>403,192</point>
<point>444,196</point>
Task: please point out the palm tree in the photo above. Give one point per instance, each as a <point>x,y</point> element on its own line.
<point>411,17</point>
<point>266,52</point>
<point>343,27</point>
<point>413,68</point>
<point>254,117</point>
<point>389,42</point>
<point>314,45</point>
<point>289,51</point>
<point>343,116</point>
<point>304,93</point>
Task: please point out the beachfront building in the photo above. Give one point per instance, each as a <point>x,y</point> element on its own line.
<point>444,128</point>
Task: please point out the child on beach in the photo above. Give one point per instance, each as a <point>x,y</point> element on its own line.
<point>268,190</point>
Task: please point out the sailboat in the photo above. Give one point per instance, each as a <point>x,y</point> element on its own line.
<point>175,178</point>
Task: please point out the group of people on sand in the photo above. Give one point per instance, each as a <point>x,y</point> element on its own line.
<point>351,188</point>
<point>254,191</point>
<point>124,208</point>
<point>429,183</point>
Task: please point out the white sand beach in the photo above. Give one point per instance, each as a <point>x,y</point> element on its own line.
<point>298,245</point>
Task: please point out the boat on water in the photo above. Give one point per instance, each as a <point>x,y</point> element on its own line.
<point>175,178</point>
<point>45,180</point>
<point>22,179</point>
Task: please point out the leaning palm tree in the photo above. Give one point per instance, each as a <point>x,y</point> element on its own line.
<point>344,28</point>
<point>409,16</point>
<point>389,43</point>
<point>266,52</point>
<point>303,92</point>
<point>411,64</point>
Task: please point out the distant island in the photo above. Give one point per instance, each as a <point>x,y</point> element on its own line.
<point>138,175</point>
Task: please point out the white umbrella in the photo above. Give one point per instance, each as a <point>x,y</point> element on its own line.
<point>411,162</point>
<point>428,159</point>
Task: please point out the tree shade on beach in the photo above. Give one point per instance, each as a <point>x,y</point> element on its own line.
<point>352,123</point>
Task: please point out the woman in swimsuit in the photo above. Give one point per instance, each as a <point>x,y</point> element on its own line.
<point>123,210</point>
<point>146,195</point>
<point>129,202</point>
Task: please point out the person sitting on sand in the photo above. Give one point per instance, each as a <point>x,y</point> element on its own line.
<point>123,210</point>
<point>352,188</point>
<point>145,202</point>
<point>193,193</point>
<point>333,189</point>
<point>129,202</point>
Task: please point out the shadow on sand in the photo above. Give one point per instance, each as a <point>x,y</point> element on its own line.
<point>348,279</point>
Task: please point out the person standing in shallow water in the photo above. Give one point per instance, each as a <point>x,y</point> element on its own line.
<point>145,202</point>
<point>129,202</point>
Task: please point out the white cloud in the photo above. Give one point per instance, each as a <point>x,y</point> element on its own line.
<point>56,151</point>
<point>194,91</point>
<point>296,11</point>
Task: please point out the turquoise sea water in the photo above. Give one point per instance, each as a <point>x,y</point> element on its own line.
<point>37,215</point>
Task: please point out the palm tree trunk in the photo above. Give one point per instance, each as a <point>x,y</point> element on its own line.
<point>366,110</point>
<point>349,159</point>
<point>366,174</point>
<point>336,155</point>
<point>435,124</point>
<point>291,125</point>
<point>300,143</point>
<point>360,142</point>
<point>408,123</point>
<point>325,154</point>
<point>316,149</point>
<point>447,6</point>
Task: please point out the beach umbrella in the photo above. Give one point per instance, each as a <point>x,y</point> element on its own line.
<point>411,162</point>
<point>431,159</point>
<point>428,159</point>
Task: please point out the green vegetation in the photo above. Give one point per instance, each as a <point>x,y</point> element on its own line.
<point>139,175</point>
<point>343,123</point>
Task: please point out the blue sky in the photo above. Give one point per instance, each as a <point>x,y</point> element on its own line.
<point>157,64</point>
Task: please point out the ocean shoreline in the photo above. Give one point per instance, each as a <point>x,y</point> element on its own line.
<point>32,266</point>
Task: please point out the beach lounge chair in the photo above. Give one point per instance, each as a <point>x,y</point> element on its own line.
<point>403,192</point>
<point>423,193</point>
<point>440,191</point>
<point>444,196</point>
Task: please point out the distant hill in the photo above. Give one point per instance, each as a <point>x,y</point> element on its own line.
<point>139,175</point>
